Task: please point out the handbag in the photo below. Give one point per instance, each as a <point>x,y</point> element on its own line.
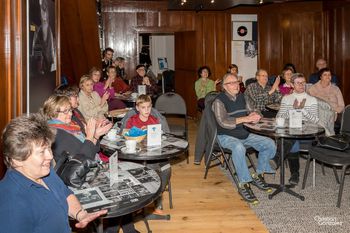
<point>333,143</point>
<point>72,169</point>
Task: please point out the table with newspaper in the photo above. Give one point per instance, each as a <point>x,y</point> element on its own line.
<point>137,187</point>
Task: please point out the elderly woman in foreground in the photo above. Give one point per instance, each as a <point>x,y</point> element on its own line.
<point>70,137</point>
<point>33,198</point>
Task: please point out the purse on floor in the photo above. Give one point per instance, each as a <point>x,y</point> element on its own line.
<point>72,169</point>
<point>333,143</point>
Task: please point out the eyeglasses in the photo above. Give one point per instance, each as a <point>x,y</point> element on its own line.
<point>232,83</point>
<point>66,111</point>
<point>300,83</point>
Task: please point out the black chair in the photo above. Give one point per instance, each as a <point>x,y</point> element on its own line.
<point>345,122</point>
<point>217,152</point>
<point>250,81</point>
<point>168,81</point>
<point>172,105</point>
<point>333,158</point>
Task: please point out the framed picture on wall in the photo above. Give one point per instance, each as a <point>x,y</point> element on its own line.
<point>163,63</point>
<point>42,75</point>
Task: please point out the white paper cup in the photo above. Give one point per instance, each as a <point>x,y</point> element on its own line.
<point>112,134</point>
<point>279,122</point>
<point>130,146</point>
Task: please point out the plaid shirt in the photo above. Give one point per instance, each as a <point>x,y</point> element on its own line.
<point>259,97</point>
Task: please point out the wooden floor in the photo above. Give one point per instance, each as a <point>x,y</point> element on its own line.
<point>205,206</point>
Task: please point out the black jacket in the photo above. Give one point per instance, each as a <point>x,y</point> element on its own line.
<point>65,141</point>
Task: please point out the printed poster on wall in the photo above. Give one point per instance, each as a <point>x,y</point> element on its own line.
<point>41,52</point>
<point>244,44</point>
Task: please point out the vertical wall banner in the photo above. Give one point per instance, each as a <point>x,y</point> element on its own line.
<point>42,48</point>
<point>244,44</point>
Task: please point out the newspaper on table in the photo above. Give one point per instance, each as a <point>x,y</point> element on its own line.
<point>113,169</point>
<point>134,182</point>
<point>91,197</point>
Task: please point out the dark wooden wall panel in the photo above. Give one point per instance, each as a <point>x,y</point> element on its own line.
<point>290,32</point>
<point>12,63</point>
<point>80,48</point>
<point>338,46</point>
<point>185,68</point>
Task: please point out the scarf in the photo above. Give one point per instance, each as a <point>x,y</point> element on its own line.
<point>71,128</point>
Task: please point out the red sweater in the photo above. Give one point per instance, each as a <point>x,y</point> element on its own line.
<point>136,121</point>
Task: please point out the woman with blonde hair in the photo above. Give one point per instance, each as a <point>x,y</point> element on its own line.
<point>91,105</point>
<point>70,137</point>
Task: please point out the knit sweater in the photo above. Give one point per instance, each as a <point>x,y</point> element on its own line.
<point>309,111</point>
<point>331,94</point>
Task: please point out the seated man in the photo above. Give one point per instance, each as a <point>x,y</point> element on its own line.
<point>231,112</point>
<point>299,99</point>
<point>260,93</point>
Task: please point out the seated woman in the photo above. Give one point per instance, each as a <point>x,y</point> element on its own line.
<point>70,137</point>
<point>91,105</point>
<point>328,92</point>
<point>204,85</point>
<point>33,198</point>
<point>107,86</point>
<point>142,79</point>
<point>233,69</point>
<point>286,88</point>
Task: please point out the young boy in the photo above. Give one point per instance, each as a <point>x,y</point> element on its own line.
<point>144,117</point>
<point>141,120</point>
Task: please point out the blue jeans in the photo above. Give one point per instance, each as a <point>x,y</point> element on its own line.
<point>264,145</point>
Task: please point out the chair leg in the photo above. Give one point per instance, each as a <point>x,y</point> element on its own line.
<point>336,174</point>
<point>251,161</point>
<point>147,225</point>
<point>188,156</point>
<point>233,174</point>
<point>306,171</point>
<point>341,187</point>
<point>207,165</point>
<point>323,171</point>
<point>170,195</point>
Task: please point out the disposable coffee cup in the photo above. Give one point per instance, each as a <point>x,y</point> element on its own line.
<point>112,134</point>
<point>130,146</point>
<point>279,122</point>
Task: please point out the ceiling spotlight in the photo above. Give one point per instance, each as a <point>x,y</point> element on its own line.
<point>212,1</point>
<point>261,1</point>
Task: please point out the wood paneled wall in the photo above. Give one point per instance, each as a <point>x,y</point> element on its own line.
<point>291,32</point>
<point>12,63</point>
<point>80,48</point>
<point>338,37</point>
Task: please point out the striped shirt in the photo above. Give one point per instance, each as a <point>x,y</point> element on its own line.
<point>309,111</point>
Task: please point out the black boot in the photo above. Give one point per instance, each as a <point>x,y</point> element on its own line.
<point>294,165</point>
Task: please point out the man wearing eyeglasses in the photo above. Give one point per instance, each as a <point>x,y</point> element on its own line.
<point>307,104</point>
<point>231,112</point>
<point>260,93</point>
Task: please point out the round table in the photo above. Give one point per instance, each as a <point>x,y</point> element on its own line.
<point>171,147</point>
<point>137,187</point>
<point>267,127</point>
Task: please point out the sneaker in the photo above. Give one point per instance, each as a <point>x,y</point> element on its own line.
<point>247,193</point>
<point>294,179</point>
<point>259,181</point>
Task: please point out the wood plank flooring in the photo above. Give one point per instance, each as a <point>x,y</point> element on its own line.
<point>206,206</point>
